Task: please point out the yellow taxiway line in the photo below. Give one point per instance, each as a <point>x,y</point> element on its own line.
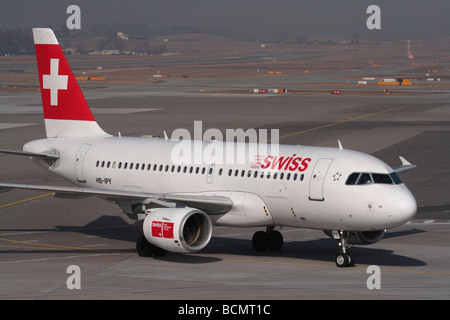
<point>25,200</point>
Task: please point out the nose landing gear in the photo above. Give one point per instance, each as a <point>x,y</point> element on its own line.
<point>343,259</point>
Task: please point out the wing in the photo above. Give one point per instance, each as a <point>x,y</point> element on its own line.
<point>209,204</point>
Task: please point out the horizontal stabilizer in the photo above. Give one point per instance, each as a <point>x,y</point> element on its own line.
<point>30,154</point>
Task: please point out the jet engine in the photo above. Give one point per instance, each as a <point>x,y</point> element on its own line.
<point>177,229</point>
<point>362,237</point>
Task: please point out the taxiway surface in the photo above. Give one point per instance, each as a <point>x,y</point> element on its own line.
<point>41,236</point>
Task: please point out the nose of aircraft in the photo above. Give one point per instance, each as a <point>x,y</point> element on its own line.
<point>402,206</point>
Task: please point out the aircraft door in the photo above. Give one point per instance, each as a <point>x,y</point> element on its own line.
<point>318,178</point>
<point>81,154</point>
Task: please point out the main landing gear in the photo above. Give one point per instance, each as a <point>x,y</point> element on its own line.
<point>343,259</point>
<point>269,240</point>
<point>146,249</point>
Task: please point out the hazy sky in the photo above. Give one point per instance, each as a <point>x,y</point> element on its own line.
<point>400,19</point>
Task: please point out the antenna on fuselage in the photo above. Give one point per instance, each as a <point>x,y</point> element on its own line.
<point>340,145</point>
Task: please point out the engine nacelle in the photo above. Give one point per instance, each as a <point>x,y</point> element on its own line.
<point>178,229</point>
<point>362,237</point>
<point>366,237</point>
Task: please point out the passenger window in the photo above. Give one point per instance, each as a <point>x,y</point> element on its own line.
<point>220,171</point>
<point>120,165</point>
<point>230,172</point>
<point>364,178</point>
<point>98,162</point>
<point>125,165</point>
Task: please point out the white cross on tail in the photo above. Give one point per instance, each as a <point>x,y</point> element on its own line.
<point>54,81</point>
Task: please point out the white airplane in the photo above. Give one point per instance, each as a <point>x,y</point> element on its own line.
<point>352,196</point>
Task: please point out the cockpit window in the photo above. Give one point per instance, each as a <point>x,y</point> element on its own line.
<point>395,178</point>
<point>365,178</point>
<point>381,178</point>
<point>352,178</point>
<point>361,178</point>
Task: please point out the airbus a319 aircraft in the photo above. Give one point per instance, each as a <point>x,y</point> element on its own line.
<point>352,196</point>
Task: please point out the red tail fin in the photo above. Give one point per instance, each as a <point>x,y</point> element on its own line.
<point>66,112</point>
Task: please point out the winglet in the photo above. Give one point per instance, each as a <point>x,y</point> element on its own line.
<point>404,161</point>
<point>406,165</point>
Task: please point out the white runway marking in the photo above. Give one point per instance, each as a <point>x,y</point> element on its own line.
<point>122,110</point>
<point>15,125</point>
<point>94,245</point>
<point>38,110</point>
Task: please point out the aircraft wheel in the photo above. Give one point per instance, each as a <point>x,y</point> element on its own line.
<point>276,241</point>
<point>344,260</point>
<point>352,260</point>
<point>143,247</point>
<point>260,241</point>
<point>159,252</point>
